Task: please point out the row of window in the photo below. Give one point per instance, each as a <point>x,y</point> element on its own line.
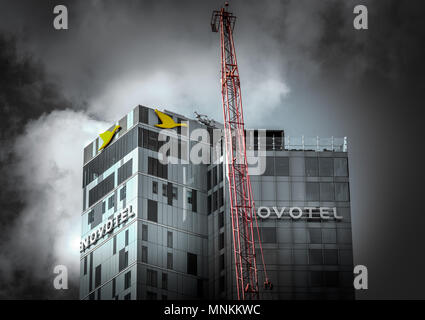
<point>215,200</point>
<point>214,176</point>
<point>314,167</point>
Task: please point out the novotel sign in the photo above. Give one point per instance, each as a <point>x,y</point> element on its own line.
<point>107,227</point>
<point>297,213</point>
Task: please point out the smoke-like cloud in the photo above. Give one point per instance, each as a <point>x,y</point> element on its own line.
<point>303,68</point>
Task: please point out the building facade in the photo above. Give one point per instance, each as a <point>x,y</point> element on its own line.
<point>162,231</point>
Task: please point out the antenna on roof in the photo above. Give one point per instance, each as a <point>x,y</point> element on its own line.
<point>202,118</point>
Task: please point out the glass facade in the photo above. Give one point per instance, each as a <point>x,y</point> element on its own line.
<point>162,231</point>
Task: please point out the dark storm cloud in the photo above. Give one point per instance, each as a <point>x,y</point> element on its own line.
<point>301,62</point>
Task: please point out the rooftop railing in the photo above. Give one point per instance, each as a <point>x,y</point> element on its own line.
<point>316,144</point>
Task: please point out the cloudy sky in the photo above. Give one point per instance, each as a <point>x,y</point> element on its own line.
<point>303,67</point>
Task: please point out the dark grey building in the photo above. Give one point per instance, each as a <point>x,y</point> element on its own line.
<point>162,231</point>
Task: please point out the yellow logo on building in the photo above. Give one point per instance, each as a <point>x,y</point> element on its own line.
<point>166,121</point>
<point>107,136</point>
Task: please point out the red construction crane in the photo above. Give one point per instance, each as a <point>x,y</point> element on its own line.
<point>240,193</point>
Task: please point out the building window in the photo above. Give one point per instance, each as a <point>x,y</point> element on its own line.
<point>326,167</point>
<point>150,295</point>
<point>326,191</point>
<point>209,205</point>
<point>152,210</point>
<point>164,190</point>
<point>312,191</point>
<point>169,239</point>
<point>154,187</point>
<point>123,259</point>
<point>123,193</point>
<point>124,172</point>
<point>340,167</point>
<point>114,287</point>
<point>315,256</point>
<point>127,280</point>
<point>164,281</point>
<point>214,199</point>
<point>221,241</point>
<point>157,169</point>
<point>101,189</point>
<point>331,278</point>
<point>85,265</point>
<point>103,206</point>
<point>341,191</point>
<point>214,172</point>
<point>209,180</point>
<point>268,234</point>
<point>311,167</point>
<point>282,166</point>
<point>200,288</point>
<point>164,297</point>
<point>111,201</point>
<point>221,262</point>
<point>330,256</point>
<point>144,232</point>
<point>91,216</point>
<point>127,296</point>
<point>316,278</point>
<point>192,264</point>
<point>189,197</point>
<point>221,219</point>
<point>99,294</point>
<point>145,254</point>
<point>98,276</point>
<point>222,284</point>
<point>169,261</point>
<point>315,235</point>
<point>114,245</point>
<point>151,278</point>
<point>175,191</point>
<point>220,197</point>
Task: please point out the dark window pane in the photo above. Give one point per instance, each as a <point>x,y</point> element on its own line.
<point>340,167</point>
<point>98,276</point>
<point>312,191</point>
<point>169,260</point>
<point>315,256</point>
<point>151,278</point>
<point>221,219</point>
<point>164,281</point>
<point>326,191</point>
<point>221,262</point>
<point>127,280</point>
<point>144,254</point>
<point>169,239</point>
<point>126,237</point>
<point>125,171</point>
<point>152,210</point>
<point>192,264</point>
<point>326,167</point>
<point>221,240</point>
<point>341,191</point>
<point>315,235</point>
<point>101,189</point>
<point>311,167</point>
<point>144,232</point>
<point>268,234</point>
<point>194,201</point>
<point>331,278</point>
<point>316,278</point>
<point>123,193</point>
<point>330,256</point>
<point>270,171</point>
<point>282,166</point>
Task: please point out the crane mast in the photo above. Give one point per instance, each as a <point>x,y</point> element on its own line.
<point>240,193</point>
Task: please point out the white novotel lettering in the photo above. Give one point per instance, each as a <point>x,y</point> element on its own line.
<point>107,227</point>
<point>296,213</point>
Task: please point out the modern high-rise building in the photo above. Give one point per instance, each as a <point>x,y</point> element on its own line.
<point>152,230</point>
